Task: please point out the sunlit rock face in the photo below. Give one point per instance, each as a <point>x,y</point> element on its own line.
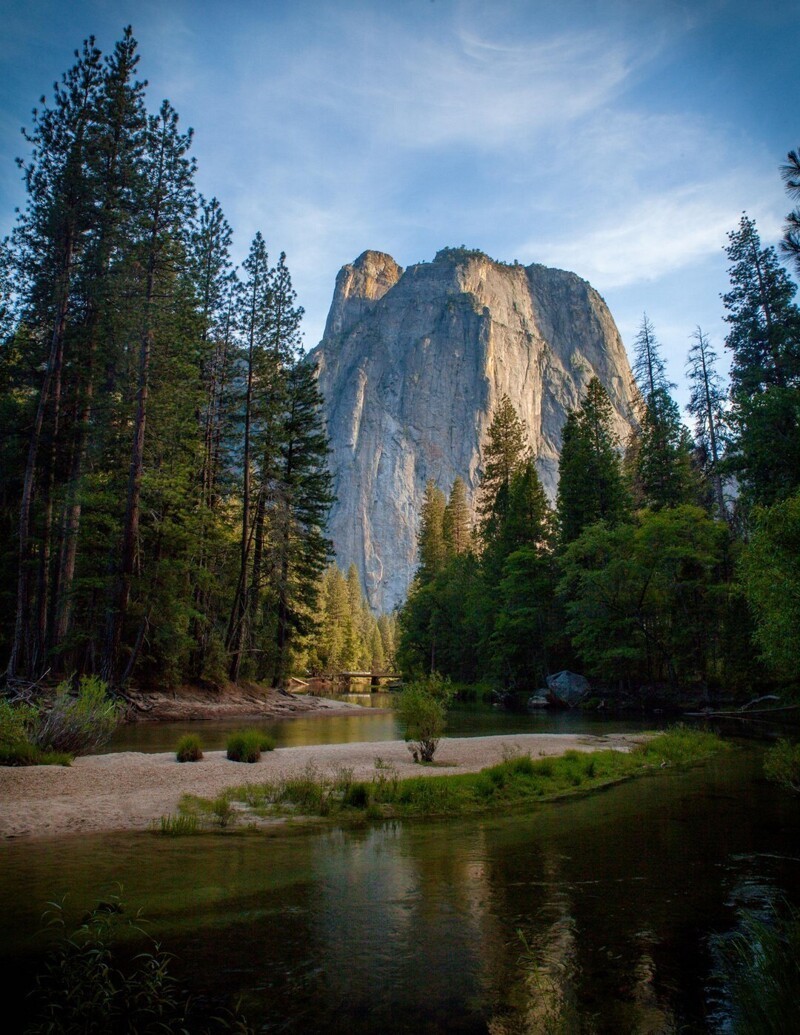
<point>412,365</point>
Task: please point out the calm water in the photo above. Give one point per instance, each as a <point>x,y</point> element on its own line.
<point>621,897</point>
<point>373,721</point>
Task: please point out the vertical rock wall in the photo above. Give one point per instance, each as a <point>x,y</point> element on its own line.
<point>412,366</point>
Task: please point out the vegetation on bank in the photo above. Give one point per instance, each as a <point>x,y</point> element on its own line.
<point>762,960</point>
<point>88,984</point>
<point>517,782</point>
<point>782,765</point>
<point>73,722</point>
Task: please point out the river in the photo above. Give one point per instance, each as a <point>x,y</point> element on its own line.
<point>608,910</point>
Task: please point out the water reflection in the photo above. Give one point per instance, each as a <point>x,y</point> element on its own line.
<point>415,928</point>
<point>373,721</point>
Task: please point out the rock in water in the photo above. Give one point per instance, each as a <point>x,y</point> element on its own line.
<point>412,365</point>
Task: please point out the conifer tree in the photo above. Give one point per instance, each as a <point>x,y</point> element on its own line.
<point>764,338</point>
<point>790,245</point>
<point>706,406</point>
<point>50,239</point>
<point>649,369</point>
<point>430,538</point>
<point>503,455</point>
<point>590,482</point>
<point>300,548</point>
<point>456,523</point>
<point>167,208</point>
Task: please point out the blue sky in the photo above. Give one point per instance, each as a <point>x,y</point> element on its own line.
<point>618,139</point>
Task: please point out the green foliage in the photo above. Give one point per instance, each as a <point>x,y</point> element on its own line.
<point>422,708</point>
<point>77,723</point>
<point>85,989</point>
<point>247,745</point>
<point>763,968</point>
<point>176,826</point>
<point>643,600</point>
<point>517,781</point>
<point>189,748</point>
<point>17,723</point>
<point>782,765</point>
<point>769,571</point>
<point>764,338</point>
<point>590,482</point>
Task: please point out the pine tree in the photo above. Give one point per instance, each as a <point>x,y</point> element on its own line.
<point>503,455</point>
<point>649,369</point>
<point>590,482</point>
<point>764,337</point>
<point>299,546</point>
<point>50,239</point>
<point>790,245</point>
<point>168,205</point>
<point>664,469</point>
<point>706,405</point>
<point>255,302</point>
<point>430,538</point>
<point>457,524</point>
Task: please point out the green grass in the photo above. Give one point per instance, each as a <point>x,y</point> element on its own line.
<point>247,745</point>
<point>514,783</point>
<point>189,748</point>
<point>763,964</point>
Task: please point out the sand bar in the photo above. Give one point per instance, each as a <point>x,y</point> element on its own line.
<point>129,790</point>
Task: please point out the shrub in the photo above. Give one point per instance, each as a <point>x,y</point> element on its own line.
<point>422,707</point>
<point>247,745</point>
<point>782,765</point>
<point>16,722</point>
<point>189,748</point>
<point>77,723</point>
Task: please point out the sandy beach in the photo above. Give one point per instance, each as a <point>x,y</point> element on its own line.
<point>130,790</point>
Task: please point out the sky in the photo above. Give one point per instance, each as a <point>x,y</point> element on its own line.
<point>620,139</point>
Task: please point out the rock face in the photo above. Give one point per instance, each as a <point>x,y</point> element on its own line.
<point>412,365</point>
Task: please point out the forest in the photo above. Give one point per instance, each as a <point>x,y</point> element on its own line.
<point>165,484</point>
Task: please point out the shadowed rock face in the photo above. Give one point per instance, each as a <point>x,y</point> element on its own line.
<point>412,366</point>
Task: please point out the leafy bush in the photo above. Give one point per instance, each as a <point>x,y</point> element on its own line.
<point>422,707</point>
<point>782,765</point>
<point>77,723</point>
<point>189,748</point>
<point>247,745</point>
<point>16,723</point>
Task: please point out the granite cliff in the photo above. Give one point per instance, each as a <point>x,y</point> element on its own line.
<point>412,365</point>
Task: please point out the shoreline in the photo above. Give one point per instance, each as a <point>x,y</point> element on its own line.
<point>128,791</point>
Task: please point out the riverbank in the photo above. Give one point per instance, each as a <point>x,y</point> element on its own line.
<point>193,702</point>
<point>131,790</point>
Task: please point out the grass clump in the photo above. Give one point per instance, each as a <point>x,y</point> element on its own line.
<point>763,965</point>
<point>247,745</point>
<point>189,748</point>
<point>176,826</point>
<point>782,765</point>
